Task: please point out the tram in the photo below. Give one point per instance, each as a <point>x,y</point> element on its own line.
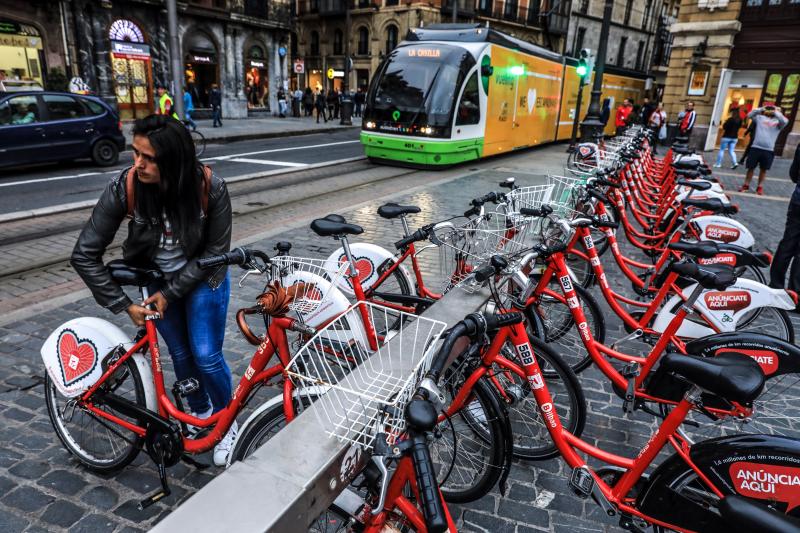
<point>451,93</point>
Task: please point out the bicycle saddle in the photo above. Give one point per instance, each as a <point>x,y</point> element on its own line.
<point>744,514</point>
<point>393,210</point>
<point>126,274</point>
<point>704,249</point>
<point>718,277</point>
<point>698,185</point>
<point>711,204</point>
<point>686,164</point>
<point>325,227</point>
<point>746,257</point>
<point>732,376</point>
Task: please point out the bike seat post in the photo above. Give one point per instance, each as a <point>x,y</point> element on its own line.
<point>349,255</point>
<point>406,230</point>
<point>145,293</point>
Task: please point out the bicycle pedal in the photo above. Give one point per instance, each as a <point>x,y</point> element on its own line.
<point>581,481</point>
<point>185,387</point>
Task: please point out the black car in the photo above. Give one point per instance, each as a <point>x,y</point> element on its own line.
<point>42,126</point>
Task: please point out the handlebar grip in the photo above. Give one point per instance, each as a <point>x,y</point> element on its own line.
<point>419,235</point>
<point>484,273</point>
<point>476,210</point>
<point>237,256</point>
<point>541,211</point>
<point>430,498</point>
<point>495,322</point>
<point>600,223</point>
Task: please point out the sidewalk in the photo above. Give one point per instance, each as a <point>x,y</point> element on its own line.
<point>258,128</point>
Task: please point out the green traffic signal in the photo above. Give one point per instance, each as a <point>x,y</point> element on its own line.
<point>582,69</point>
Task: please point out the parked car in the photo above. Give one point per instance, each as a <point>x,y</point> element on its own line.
<point>43,126</point>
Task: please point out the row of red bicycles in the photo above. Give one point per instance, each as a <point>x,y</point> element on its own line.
<point>437,414</point>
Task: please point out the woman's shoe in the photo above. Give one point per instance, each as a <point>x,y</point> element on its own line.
<point>717,166</point>
<point>744,188</point>
<point>760,191</point>
<point>734,167</point>
<point>225,446</point>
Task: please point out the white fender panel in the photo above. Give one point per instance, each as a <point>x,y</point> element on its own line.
<point>74,352</point>
<point>723,229</point>
<point>368,257</point>
<point>334,304</point>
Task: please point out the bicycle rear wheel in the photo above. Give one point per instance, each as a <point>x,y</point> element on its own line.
<point>98,443</point>
<point>199,141</point>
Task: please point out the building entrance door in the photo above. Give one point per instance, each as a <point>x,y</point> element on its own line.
<point>782,88</point>
<point>132,87</point>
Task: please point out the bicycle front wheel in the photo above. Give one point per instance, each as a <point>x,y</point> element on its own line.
<point>199,141</point>
<point>96,442</point>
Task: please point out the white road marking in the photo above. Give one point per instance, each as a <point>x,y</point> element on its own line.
<point>274,150</point>
<point>267,162</point>
<point>54,178</point>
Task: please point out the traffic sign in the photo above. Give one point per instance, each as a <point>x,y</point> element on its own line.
<point>299,66</point>
<point>330,73</point>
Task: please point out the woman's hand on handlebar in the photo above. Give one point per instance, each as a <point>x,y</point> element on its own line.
<point>139,313</point>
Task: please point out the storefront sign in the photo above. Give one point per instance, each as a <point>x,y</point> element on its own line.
<point>130,50</point>
<point>257,64</point>
<point>282,51</point>
<point>698,81</point>
<point>338,74</point>
<point>6,26</point>
<point>330,73</point>
<point>201,59</point>
<point>20,40</point>
<point>299,66</point>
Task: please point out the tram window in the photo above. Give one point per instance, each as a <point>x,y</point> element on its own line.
<point>469,109</point>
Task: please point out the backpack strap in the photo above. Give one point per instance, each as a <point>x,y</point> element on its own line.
<point>130,189</point>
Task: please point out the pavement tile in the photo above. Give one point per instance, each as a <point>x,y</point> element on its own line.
<point>28,499</point>
<point>62,513</point>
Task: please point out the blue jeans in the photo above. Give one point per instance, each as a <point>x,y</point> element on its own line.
<point>728,144</point>
<point>216,114</point>
<point>194,329</point>
<point>188,119</point>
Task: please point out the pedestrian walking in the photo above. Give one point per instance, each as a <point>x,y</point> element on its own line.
<point>176,211</point>
<point>623,116</point>
<point>297,102</point>
<point>321,104</point>
<point>789,248</point>
<point>308,101</point>
<point>359,100</point>
<point>165,103</point>
<point>281,103</point>
<point>215,99</point>
<point>730,136</point>
<point>769,121</point>
<point>188,107</point>
<point>657,122</point>
<point>648,108</point>
<point>331,100</point>
<point>686,120</point>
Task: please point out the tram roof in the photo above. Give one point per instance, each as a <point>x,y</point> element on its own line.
<point>476,33</point>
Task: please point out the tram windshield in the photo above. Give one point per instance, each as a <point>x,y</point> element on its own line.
<point>416,89</point>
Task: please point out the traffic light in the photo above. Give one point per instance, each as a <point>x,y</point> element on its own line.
<point>583,67</point>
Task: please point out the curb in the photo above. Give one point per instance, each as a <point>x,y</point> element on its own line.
<point>65,208</point>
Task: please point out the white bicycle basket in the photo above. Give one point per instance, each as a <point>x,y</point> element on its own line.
<point>290,270</point>
<point>368,395</point>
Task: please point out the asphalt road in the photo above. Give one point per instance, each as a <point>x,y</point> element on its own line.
<point>56,184</point>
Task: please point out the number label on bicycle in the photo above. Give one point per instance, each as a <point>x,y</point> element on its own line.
<point>588,242</point>
<point>566,283</point>
<point>525,353</point>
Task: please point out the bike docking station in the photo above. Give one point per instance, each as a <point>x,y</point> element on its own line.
<point>293,478</point>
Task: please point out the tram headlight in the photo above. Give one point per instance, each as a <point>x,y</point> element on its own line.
<point>427,130</point>
<point>369,125</point>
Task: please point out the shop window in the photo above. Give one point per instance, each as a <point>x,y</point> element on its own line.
<point>469,109</point>
<point>391,38</point>
<point>363,41</point>
<point>338,39</point>
<point>314,43</point>
<point>19,110</point>
<point>63,107</point>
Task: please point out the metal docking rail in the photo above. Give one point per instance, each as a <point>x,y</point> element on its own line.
<point>297,474</point>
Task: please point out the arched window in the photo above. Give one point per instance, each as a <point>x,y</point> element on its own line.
<point>314,43</point>
<point>363,41</point>
<point>391,38</point>
<point>337,42</point>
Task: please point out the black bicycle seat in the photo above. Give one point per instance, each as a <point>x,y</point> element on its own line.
<point>333,217</point>
<point>393,210</point>
<point>325,227</point>
<point>711,204</point>
<point>745,257</point>
<point>733,376</point>
<point>698,185</point>
<point>718,277</point>
<point>682,149</point>
<point>742,514</point>
<point>126,274</point>
<point>704,249</point>
<point>686,164</point>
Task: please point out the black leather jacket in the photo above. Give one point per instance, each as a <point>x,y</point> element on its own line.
<point>142,241</point>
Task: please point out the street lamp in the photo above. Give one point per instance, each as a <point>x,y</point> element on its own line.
<point>347,101</point>
<point>592,126</point>
<point>582,70</point>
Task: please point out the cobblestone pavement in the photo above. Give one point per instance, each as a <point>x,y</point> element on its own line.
<point>43,489</point>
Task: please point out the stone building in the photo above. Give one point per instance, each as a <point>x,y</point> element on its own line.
<point>738,55</point>
<point>120,48</point>
<point>378,25</point>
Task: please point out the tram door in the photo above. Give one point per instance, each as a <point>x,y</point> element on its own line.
<point>132,86</point>
<point>782,89</point>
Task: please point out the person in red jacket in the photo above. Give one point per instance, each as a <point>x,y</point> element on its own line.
<point>623,116</point>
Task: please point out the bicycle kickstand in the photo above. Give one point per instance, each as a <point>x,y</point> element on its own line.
<point>162,476</point>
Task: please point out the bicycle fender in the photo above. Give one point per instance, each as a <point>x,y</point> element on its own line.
<point>369,259</point>
<point>723,229</point>
<point>759,467</point>
<point>775,356</point>
<point>334,304</point>
<point>74,353</point>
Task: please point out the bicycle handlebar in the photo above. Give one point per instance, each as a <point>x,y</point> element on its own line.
<point>428,488</point>
<point>237,256</point>
<point>541,211</point>
<point>420,235</point>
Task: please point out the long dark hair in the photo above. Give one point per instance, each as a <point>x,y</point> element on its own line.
<point>178,194</point>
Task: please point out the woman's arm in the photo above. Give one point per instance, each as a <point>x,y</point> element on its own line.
<point>97,234</point>
<point>218,241</point>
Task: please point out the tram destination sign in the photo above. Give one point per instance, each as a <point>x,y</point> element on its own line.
<point>425,52</point>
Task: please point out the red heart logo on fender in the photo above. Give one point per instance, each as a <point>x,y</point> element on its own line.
<point>77,356</point>
<point>363,265</point>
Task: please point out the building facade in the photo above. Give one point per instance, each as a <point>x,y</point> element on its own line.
<point>732,56</point>
<point>120,51</point>
<point>377,26</point>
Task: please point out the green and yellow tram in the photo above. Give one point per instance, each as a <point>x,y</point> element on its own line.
<point>453,93</point>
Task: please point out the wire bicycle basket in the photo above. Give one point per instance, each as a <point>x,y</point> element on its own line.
<point>355,403</point>
<point>319,277</point>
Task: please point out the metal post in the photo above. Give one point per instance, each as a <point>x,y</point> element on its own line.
<point>346,108</point>
<point>576,119</point>
<point>455,11</point>
<point>592,127</point>
<point>176,60</point>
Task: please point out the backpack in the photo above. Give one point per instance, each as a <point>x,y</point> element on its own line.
<point>130,189</point>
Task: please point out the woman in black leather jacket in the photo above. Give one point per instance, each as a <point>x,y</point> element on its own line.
<point>177,215</point>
